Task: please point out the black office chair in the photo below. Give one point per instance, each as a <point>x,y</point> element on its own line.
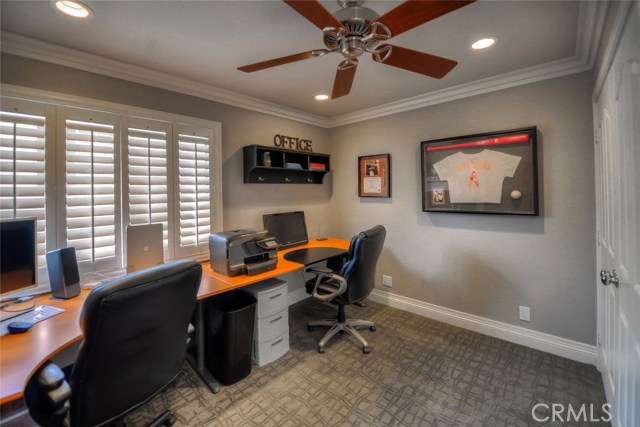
<point>135,343</point>
<point>352,285</point>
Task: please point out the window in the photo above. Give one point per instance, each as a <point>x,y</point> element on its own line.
<point>194,189</point>
<point>91,190</point>
<point>22,168</point>
<point>147,173</point>
<point>87,174</point>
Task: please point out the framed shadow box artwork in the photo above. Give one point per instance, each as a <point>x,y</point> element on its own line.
<point>484,173</point>
<point>374,176</point>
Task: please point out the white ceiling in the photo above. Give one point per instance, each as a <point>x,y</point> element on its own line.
<point>204,41</point>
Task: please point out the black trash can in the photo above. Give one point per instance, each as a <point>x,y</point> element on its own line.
<point>229,321</point>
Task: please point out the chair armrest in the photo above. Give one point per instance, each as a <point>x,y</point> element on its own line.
<point>47,396</point>
<point>321,274</point>
<point>54,387</point>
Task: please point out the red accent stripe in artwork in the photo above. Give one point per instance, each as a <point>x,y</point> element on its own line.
<point>502,140</point>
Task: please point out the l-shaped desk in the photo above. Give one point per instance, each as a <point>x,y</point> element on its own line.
<point>23,354</point>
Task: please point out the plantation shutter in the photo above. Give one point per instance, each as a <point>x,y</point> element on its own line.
<point>22,170</point>
<point>91,189</point>
<point>194,189</point>
<point>147,175</point>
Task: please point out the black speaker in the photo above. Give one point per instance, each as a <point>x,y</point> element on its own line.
<point>64,276</point>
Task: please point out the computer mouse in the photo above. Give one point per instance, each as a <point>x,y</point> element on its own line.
<point>19,327</point>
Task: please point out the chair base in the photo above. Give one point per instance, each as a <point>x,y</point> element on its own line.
<point>336,326</point>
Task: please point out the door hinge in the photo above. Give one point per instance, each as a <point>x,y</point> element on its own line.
<point>597,135</point>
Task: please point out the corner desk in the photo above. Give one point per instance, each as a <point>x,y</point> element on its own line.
<point>22,354</point>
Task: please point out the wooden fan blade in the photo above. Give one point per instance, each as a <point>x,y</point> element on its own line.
<point>418,62</point>
<point>278,61</point>
<point>315,13</point>
<point>343,81</point>
<point>412,13</point>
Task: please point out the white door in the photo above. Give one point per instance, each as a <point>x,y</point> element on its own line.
<point>617,122</point>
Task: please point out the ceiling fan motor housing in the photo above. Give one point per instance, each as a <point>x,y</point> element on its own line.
<point>355,40</point>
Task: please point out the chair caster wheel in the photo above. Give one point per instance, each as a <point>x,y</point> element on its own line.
<point>321,350</point>
<point>372,328</point>
<point>310,328</point>
<point>366,349</point>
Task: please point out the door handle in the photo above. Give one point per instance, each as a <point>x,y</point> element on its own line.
<point>605,276</point>
<point>609,278</point>
<point>613,278</point>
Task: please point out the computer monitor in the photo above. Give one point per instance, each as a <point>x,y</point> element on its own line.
<point>18,255</point>
<point>289,228</point>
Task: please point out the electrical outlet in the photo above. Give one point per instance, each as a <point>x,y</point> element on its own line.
<point>525,313</point>
<point>387,281</point>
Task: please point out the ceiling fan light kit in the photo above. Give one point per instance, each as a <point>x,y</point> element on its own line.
<point>355,30</point>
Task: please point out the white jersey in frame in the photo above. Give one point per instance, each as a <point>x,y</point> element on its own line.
<point>476,178</point>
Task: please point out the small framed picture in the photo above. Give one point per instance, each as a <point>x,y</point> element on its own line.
<point>374,176</point>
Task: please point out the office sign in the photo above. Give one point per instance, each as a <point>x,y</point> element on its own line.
<point>292,143</point>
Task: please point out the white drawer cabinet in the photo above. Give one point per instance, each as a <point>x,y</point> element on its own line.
<point>271,333</point>
<point>267,351</point>
<point>269,327</point>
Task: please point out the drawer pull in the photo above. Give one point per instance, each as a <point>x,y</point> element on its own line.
<point>277,342</point>
<point>275,296</point>
<point>276,319</point>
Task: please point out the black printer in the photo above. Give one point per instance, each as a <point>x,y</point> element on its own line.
<point>247,252</point>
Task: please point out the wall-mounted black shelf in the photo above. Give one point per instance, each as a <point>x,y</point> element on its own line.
<point>282,170</point>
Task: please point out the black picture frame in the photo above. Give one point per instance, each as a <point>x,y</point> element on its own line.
<point>374,175</point>
<point>488,173</point>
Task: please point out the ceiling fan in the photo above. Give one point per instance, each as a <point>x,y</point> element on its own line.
<point>355,30</point>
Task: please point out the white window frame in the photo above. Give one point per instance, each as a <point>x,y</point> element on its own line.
<point>143,123</point>
<point>197,131</point>
<point>64,113</point>
<point>47,111</point>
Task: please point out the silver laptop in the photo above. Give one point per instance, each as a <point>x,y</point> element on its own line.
<point>144,246</point>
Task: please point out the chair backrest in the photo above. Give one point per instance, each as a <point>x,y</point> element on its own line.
<point>135,334</point>
<point>360,268</point>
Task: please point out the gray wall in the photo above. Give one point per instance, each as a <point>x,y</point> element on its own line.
<point>480,264</point>
<point>485,265</point>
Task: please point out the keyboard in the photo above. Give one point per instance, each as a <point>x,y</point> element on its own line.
<point>35,315</point>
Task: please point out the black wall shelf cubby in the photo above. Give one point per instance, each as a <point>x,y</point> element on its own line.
<point>287,166</point>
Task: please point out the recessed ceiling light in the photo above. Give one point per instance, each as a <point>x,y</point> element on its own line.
<point>483,43</point>
<point>73,8</point>
<point>322,97</point>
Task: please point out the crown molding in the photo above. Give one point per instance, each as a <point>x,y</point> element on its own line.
<point>610,47</point>
<point>534,74</point>
<point>590,27</point>
<point>42,51</point>
<point>591,16</point>
<point>591,21</point>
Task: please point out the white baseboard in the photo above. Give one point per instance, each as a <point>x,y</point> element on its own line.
<point>570,349</point>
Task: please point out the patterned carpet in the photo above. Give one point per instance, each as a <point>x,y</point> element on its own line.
<point>420,373</point>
